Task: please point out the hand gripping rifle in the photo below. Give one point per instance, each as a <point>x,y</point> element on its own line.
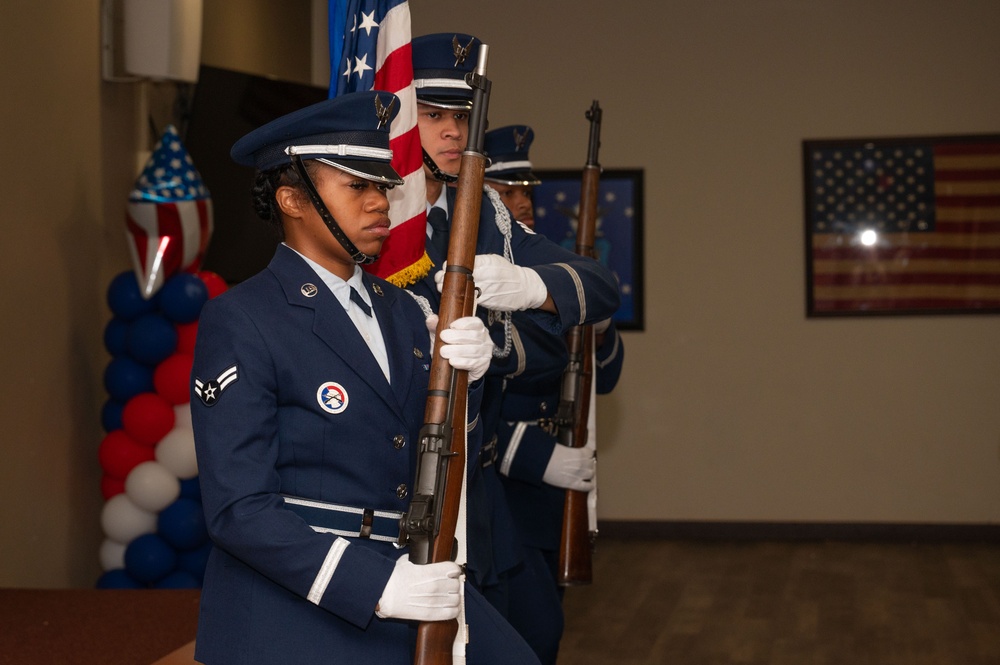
<point>431,521</point>
<point>577,541</point>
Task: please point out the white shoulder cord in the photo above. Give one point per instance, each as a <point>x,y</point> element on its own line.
<point>502,217</point>
<point>422,302</point>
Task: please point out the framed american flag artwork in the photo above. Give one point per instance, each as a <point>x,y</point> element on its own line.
<point>897,226</point>
<point>618,237</point>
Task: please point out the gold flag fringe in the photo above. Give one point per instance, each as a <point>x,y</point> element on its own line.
<point>412,273</point>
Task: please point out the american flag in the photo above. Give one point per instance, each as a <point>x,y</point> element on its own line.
<point>370,50</point>
<point>904,226</point>
<point>169,215</point>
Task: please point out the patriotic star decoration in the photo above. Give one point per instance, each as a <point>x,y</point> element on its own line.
<point>169,174</point>
<point>169,217</point>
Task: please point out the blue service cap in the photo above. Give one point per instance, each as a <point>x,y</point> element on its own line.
<point>440,63</point>
<point>349,132</point>
<point>507,147</point>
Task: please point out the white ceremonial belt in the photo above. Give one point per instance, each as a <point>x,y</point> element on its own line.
<point>347,521</point>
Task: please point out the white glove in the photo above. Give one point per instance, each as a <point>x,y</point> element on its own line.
<point>571,468</point>
<point>504,286</point>
<point>467,345</point>
<point>602,326</point>
<point>428,592</point>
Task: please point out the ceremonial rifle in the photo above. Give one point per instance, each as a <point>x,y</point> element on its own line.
<point>431,521</point>
<point>577,540</point>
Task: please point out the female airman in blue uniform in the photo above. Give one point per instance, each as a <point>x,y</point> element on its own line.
<point>309,386</point>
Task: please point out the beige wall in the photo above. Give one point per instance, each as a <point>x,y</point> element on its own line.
<point>732,405</point>
<point>53,250</point>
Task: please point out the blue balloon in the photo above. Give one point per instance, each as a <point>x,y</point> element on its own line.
<point>117,578</point>
<point>178,580</point>
<point>182,524</point>
<point>111,415</point>
<point>195,561</point>
<point>125,378</point>
<point>182,297</point>
<point>151,339</point>
<point>191,488</point>
<point>149,558</point>
<point>125,299</point>
<point>114,336</point>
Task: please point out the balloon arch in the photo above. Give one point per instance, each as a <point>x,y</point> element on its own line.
<point>153,523</point>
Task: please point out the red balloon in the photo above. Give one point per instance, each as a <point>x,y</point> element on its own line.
<point>172,378</point>
<point>147,418</point>
<point>119,454</point>
<point>111,486</point>
<point>186,335</point>
<point>214,282</point>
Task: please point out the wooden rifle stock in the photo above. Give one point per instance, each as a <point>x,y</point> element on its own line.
<point>577,541</point>
<point>432,520</point>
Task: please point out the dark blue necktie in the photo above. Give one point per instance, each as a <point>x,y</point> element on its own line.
<point>360,302</point>
<point>438,220</point>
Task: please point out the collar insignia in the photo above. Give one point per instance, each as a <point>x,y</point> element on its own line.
<point>309,290</point>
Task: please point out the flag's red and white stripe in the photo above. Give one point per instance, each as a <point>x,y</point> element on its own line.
<point>166,238</point>
<point>403,259</point>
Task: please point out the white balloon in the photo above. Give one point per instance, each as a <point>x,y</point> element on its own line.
<point>175,451</point>
<point>123,521</point>
<point>152,486</point>
<point>182,415</point>
<point>112,554</point>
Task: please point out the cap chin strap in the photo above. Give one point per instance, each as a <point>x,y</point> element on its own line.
<point>359,257</point>
<point>435,171</point>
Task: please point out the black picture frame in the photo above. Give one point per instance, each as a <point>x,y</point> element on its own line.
<point>619,228</point>
<point>902,226</point>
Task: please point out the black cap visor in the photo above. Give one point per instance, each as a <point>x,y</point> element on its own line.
<point>526,178</point>
<point>443,101</point>
<point>369,170</point>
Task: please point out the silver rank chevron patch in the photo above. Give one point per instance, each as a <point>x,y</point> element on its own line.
<point>210,391</point>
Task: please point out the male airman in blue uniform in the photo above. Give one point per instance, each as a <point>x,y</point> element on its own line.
<point>516,270</point>
<point>535,469</point>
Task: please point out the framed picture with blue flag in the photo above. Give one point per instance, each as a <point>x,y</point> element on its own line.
<point>902,225</point>
<point>618,237</point>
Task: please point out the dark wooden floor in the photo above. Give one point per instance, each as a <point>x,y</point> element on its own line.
<point>786,603</point>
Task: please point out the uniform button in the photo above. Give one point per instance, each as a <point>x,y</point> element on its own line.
<point>398,441</point>
<point>402,491</point>
<point>544,407</point>
<point>417,353</point>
